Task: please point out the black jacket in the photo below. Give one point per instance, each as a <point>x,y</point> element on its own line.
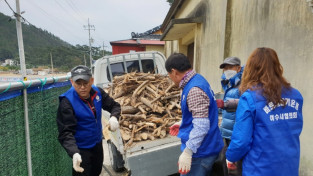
<point>66,119</point>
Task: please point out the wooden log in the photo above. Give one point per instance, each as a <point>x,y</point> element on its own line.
<point>171,86</point>
<point>154,108</point>
<point>142,110</point>
<point>144,136</point>
<point>169,112</point>
<point>152,91</point>
<point>155,120</point>
<point>151,137</point>
<point>133,102</point>
<point>126,136</point>
<point>170,96</point>
<point>134,117</point>
<point>163,133</point>
<point>121,93</point>
<point>129,110</point>
<point>149,105</point>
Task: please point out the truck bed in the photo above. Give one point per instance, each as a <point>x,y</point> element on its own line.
<point>153,158</point>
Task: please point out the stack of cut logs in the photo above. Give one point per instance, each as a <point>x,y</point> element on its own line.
<point>150,104</point>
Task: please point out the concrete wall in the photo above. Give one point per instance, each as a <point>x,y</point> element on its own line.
<point>287,27</point>
<point>237,27</point>
<point>155,48</point>
<point>208,38</point>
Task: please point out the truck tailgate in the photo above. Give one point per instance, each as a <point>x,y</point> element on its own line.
<point>153,158</point>
<point>158,157</point>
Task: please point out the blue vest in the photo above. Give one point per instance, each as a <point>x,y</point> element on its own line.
<point>275,149</point>
<point>212,142</point>
<point>231,92</point>
<point>88,129</point>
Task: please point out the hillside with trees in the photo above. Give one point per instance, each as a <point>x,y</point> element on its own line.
<point>38,44</point>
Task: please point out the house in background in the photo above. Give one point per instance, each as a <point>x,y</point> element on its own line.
<point>9,62</point>
<point>147,41</point>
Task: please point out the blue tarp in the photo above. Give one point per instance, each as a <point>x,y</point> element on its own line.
<point>12,94</point>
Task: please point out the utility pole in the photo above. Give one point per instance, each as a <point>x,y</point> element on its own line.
<point>103,49</point>
<point>23,71</point>
<point>51,64</point>
<point>89,27</point>
<point>85,59</point>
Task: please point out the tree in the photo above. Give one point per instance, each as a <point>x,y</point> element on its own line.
<point>170,2</point>
<point>38,44</point>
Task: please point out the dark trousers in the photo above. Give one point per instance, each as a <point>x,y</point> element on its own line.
<point>92,160</point>
<point>238,163</point>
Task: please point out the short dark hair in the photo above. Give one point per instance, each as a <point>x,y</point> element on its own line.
<point>177,61</point>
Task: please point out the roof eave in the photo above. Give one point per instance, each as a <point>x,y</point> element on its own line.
<point>171,13</point>
<point>180,22</point>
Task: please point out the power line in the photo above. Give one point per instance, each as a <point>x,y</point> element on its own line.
<point>16,14</point>
<point>58,21</point>
<point>72,6</point>
<point>80,22</point>
<point>89,27</point>
<point>75,9</point>
<point>10,6</point>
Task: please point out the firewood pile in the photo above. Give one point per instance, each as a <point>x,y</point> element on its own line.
<point>150,104</point>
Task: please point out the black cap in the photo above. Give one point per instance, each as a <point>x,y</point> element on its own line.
<point>81,72</point>
<point>230,61</point>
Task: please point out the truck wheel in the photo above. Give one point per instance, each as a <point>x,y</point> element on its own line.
<point>116,158</point>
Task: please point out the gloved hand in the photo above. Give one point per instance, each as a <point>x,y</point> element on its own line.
<point>77,159</point>
<point>174,129</point>
<point>184,161</point>
<point>231,104</point>
<point>113,123</point>
<point>231,165</point>
<point>220,103</point>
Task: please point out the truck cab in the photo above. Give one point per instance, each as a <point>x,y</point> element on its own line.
<point>105,68</point>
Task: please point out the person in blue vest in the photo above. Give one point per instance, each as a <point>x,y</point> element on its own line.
<point>268,119</point>
<point>231,79</point>
<point>79,121</point>
<point>201,140</point>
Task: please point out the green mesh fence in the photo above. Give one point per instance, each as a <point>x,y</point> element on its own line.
<point>48,156</point>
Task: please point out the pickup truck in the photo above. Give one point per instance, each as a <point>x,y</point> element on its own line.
<point>153,158</point>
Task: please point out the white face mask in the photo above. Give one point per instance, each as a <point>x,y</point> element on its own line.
<point>229,73</point>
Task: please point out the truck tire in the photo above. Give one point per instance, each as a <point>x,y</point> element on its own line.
<point>116,158</point>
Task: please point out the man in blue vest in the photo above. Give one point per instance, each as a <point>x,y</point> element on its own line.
<point>200,136</point>
<point>231,79</point>
<point>79,121</point>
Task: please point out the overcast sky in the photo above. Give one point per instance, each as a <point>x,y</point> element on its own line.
<point>113,19</point>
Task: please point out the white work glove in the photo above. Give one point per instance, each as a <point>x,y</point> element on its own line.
<point>77,159</point>
<point>174,129</point>
<point>113,123</point>
<point>184,161</point>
